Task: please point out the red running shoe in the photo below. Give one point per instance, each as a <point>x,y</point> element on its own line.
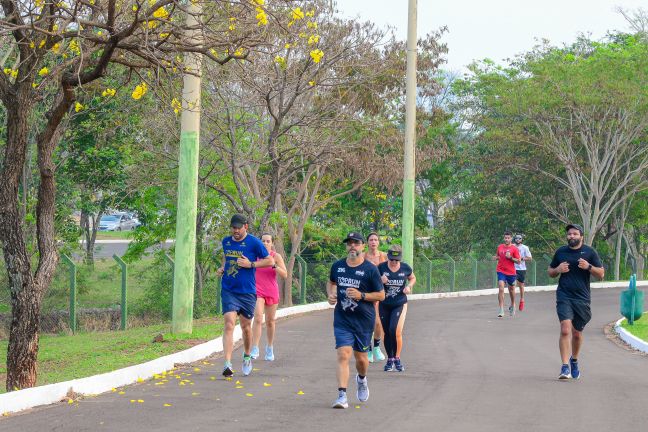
<point>521,305</point>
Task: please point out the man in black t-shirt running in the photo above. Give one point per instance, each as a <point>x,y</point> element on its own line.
<point>574,263</point>
<point>354,284</point>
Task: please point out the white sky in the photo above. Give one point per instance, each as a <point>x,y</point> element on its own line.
<point>496,29</point>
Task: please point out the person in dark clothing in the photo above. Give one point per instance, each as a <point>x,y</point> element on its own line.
<point>398,279</point>
<point>574,263</point>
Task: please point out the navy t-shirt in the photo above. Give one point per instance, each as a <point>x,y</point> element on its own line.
<point>238,279</point>
<point>356,315</point>
<point>396,282</point>
<point>575,284</point>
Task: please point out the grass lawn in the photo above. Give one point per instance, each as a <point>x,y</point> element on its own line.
<point>99,287</point>
<point>62,358</point>
<point>640,327</point>
<point>113,235</point>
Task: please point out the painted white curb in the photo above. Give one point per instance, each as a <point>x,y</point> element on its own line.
<point>629,338</point>
<point>51,393</point>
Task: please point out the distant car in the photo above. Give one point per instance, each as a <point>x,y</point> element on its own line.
<point>116,222</point>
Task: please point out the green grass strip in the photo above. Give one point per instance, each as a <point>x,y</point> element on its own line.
<point>62,358</point>
<point>640,327</point>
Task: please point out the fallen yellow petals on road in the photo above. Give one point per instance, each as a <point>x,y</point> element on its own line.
<point>265,384</point>
<point>249,394</point>
<point>167,405</point>
<point>300,392</point>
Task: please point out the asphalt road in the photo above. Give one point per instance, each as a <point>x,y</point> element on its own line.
<point>466,371</point>
<point>107,250</point>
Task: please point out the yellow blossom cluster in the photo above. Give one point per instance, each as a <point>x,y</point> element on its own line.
<point>43,72</point>
<point>78,107</point>
<point>261,16</point>
<point>139,91</point>
<point>281,61</point>
<point>108,92</point>
<point>297,14</point>
<point>317,55</point>
<point>313,39</point>
<point>74,47</point>
<point>176,105</point>
<point>11,72</point>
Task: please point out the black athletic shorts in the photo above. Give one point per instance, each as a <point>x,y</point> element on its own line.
<point>577,311</point>
<point>520,275</point>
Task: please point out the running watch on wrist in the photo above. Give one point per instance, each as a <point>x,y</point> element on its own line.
<point>362,296</point>
<point>589,267</point>
<point>252,264</point>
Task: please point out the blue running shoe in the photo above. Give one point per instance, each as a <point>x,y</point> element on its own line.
<point>227,369</point>
<point>370,356</point>
<point>269,355</point>
<point>341,401</point>
<point>398,365</point>
<point>363,389</point>
<point>247,365</point>
<point>254,352</point>
<point>564,372</point>
<point>573,365</point>
<point>389,367</point>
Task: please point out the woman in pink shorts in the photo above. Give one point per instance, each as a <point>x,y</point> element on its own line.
<point>267,300</point>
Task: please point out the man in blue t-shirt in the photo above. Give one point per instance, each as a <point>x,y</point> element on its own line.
<point>238,287</point>
<point>574,263</point>
<point>354,284</point>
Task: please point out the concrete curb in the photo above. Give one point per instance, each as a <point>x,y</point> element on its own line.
<point>51,393</point>
<point>629,338</point>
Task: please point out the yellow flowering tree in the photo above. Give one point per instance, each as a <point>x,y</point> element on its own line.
<point>305,124</point>
<point>51,52</point>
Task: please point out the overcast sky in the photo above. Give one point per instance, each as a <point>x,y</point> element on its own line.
<point>496,29</point>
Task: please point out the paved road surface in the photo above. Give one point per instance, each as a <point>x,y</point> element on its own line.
<point>466,371</point>
<point>106,250</point>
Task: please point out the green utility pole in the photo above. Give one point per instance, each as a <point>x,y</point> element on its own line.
<point>185,253</point>
<point>410,138</point>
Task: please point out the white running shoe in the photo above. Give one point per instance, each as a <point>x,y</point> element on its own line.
<point>363,389</point>
<point>341,401</point>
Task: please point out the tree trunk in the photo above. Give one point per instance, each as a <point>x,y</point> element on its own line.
<point>287,288</point>
<point>90,234</point>
<point>26,288</point>
<point>619,243</point>
<point>25,292</point>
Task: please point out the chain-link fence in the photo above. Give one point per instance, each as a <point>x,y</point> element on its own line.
<point>92,297</point>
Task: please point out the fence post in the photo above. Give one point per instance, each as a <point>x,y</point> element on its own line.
<point>534,265</point>
<point>428,267</point>
<point>73,292</point>
<point>453,267</point>
<point>474,272</point>
<point>495,283</point>
<point>124,291</point>
<point>302,279</point>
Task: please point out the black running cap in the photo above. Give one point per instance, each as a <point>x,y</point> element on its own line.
<point>354,236</point>
<point>394,255</point>
<point>238,220</point>
<point>575,226</point>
